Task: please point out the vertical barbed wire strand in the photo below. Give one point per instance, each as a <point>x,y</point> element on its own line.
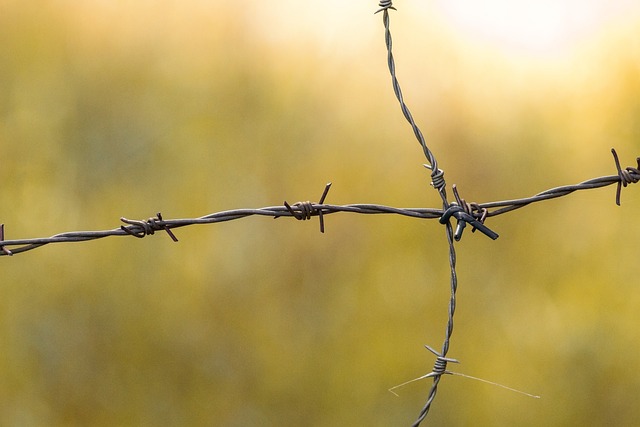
<point>440,365</point>
<point>438,182</point>
<point>437,175</point>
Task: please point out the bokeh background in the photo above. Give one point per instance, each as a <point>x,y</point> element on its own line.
<point>127,108</point>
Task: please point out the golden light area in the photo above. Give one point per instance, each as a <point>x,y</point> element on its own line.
<point>542,26</point>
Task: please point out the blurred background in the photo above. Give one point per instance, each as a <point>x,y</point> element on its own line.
<point>129,108</point>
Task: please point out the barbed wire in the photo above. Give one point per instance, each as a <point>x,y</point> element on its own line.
<point>476,214</point>
<point>437,175</point>
<point>463,212</point>
<point>473,214</point>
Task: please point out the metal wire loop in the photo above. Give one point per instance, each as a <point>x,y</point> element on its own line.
<point>141,229</point>
<point>385,5</point>
<point>627,176</point>
<point>437,178</point>
<point>305,210</point>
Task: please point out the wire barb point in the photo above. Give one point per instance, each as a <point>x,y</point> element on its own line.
<point>627,176</point>
<point>2,248</point>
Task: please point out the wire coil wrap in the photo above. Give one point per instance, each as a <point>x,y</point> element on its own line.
<point>385,5</point>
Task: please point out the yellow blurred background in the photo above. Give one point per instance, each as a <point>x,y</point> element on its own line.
<point>124,108</point>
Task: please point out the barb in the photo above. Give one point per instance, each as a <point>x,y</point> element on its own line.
<point>440,368</point>
<point>145,228</point>
<point>385,5</point>
<point>628,176</point>
<point>480,210</point>
<point>306,209</point>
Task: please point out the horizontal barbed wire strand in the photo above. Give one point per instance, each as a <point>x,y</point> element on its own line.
<point>502,207</point>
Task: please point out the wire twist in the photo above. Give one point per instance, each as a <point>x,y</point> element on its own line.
<point>437,175</point>
<point>141,229</point>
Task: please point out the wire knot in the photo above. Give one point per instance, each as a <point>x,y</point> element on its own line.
<point>473,209</point>
<point>141,229</point>
<point>385,5</point>
<point>464,212</point>
<point>305,210</point>
<point>629,175</point>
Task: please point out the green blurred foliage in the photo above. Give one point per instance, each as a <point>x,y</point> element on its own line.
<point>112,109</point>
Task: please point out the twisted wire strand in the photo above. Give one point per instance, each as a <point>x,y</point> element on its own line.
<point>501,207</point>
<point>437,175</point>
<point>439,183</point>
<point>440,365</point>
<point>144,228</point>
<point>629,175</point>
